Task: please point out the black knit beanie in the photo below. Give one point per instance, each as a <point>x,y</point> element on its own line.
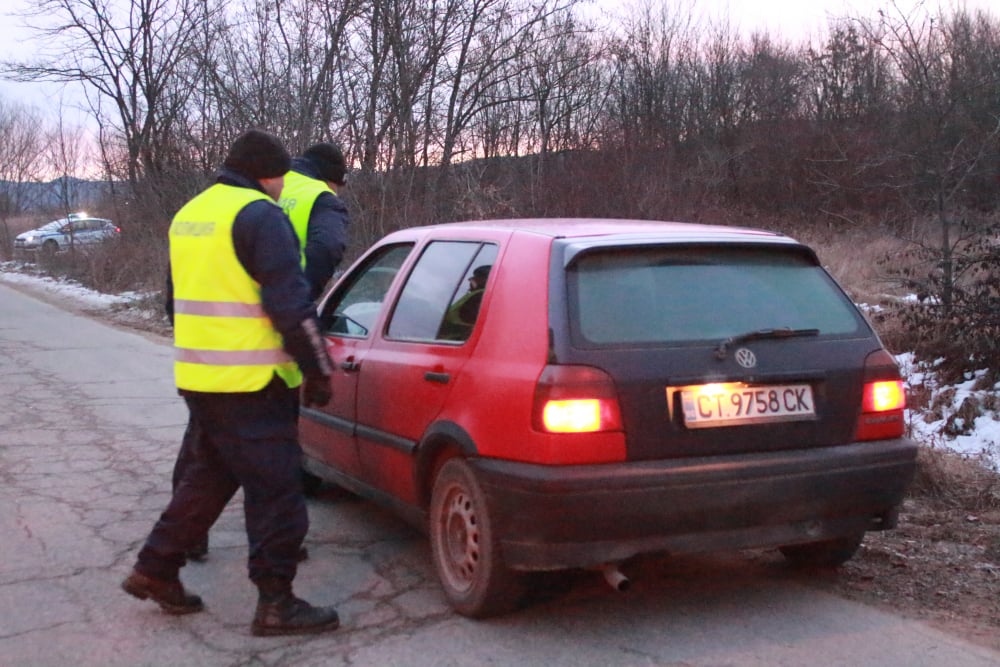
<point>329,162</point>
<point>258,154</point>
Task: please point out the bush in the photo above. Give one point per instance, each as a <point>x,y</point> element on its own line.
<point>955,316</point>
<point>113,267</point>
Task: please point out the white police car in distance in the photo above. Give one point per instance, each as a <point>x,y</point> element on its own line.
<point>77,229</point>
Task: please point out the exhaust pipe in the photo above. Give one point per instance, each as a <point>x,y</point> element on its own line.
<point>615,578</point>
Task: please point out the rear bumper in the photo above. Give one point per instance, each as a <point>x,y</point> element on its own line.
<point>553,517</point>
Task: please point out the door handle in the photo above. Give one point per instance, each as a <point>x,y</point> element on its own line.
<point>350,366</point>
<point>443,378</point>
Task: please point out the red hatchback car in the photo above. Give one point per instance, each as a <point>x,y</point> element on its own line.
<point>551,394</point>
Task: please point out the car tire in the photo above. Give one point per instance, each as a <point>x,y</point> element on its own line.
<point>50,248</point>
<point>464,547</point>
<point>827,553</point>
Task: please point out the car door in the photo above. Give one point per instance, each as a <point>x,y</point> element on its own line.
<point>408,373</point>
<point>67,235</point>
<point>349,317</point>
<point>92,231</point>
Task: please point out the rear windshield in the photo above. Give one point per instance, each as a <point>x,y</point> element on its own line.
<point>694,294</point>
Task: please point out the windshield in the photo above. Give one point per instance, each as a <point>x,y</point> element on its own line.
<point>658,295</point>
<point>53,226</point>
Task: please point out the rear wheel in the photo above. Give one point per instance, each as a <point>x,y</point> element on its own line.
<point>827,553</point>
<point>464,547</point>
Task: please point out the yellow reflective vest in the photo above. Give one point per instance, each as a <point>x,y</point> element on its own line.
<point>223,340</point>
<point>297,199</point>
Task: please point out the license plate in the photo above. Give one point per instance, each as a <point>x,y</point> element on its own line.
<point>734,403</point>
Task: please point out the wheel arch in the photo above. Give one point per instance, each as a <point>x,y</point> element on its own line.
<point>442,441</point>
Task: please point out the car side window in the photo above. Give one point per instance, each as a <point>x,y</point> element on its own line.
<point>437,282</point>
<point>353,309</point>
<point>463,311</point>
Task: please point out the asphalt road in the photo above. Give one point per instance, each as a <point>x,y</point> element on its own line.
<point>89,427</point>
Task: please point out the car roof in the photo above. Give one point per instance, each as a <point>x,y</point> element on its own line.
<point>73,217</point>
<point>598,228</point>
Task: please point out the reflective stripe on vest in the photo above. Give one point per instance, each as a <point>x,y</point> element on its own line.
<point>230,357</point>
<point>297,198</point>
<point>223,339</point>
<point>218,308</point>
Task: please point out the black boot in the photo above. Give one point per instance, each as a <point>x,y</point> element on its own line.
<point>170,595</point>
<point>279,612</point>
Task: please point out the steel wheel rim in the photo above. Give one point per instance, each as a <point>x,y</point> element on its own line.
<point>460,551</point>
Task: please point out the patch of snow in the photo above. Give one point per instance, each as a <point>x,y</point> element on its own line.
<point>976,435</point>
<point>65,288</point>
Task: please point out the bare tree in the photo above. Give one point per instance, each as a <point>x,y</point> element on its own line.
<point>565,89</point>
<point>64,153</point>
<point>652,77</point>
<point>126,57</point>
<point>21,152</point>
<point>943,142</point>
<point>274,65</point>
<point>849,78</point>
<point>487,46</point>
<point>21,155</point>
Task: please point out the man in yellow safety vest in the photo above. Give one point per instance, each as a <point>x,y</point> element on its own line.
<point>320,220</point>
<point>245,335</point>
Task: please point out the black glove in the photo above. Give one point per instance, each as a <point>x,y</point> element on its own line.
<point>316,391</point>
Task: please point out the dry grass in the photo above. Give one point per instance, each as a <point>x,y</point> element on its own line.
<point>853,255</point>
<point>953,481</point>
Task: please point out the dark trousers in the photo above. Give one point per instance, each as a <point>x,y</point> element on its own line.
<point>246,440</point>
<point>185,457</point>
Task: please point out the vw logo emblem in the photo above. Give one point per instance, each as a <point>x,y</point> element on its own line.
<point>746,358</point>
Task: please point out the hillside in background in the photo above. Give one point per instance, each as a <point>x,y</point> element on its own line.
<point>61,194</point>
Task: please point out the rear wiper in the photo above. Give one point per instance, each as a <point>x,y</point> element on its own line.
<point>761,334</point>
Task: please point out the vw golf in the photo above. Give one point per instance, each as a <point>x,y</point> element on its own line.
<point>563,393</point>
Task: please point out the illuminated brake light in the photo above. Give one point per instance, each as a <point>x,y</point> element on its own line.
<point>580,416</point>
<point>884,396</point>
<point>883,401</point>
<point>576,399</point>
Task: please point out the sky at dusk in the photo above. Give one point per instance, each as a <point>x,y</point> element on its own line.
<point>794,20</point>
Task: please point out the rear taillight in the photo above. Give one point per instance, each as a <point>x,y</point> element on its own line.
<point>883,400</point>
<point>575,399</point>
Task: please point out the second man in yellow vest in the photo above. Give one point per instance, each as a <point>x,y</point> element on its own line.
<point>318,214</point>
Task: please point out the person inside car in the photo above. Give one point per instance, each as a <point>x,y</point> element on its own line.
<point>462,314</point>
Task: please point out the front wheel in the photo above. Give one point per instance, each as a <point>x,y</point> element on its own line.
<point>827,553</point>
<point>464,547</point>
